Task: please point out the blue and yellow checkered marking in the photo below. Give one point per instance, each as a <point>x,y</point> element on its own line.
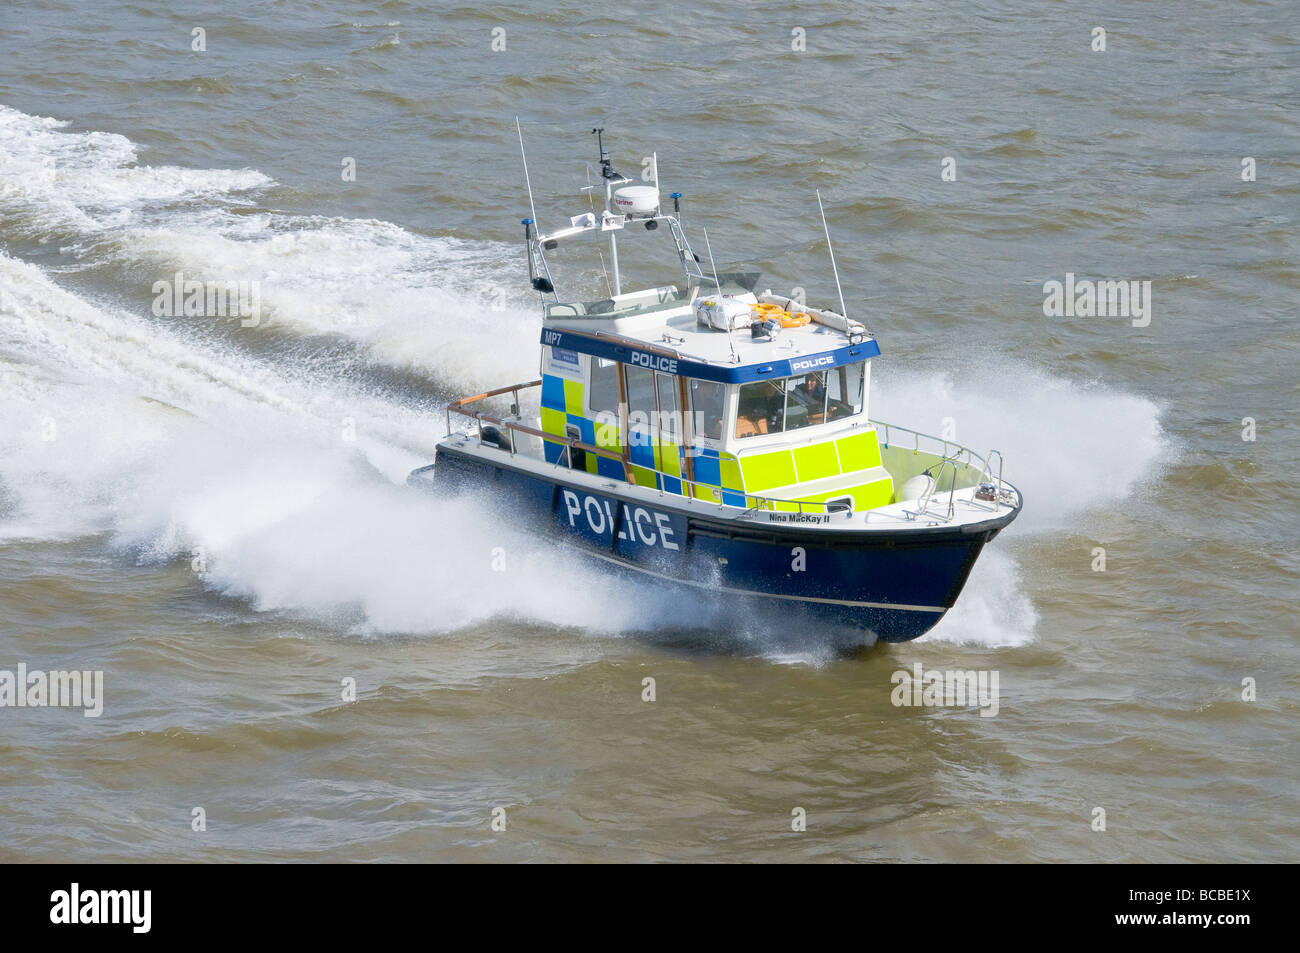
<point>719,476</point>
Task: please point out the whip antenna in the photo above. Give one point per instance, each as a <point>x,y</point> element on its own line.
<point>843,310</point>
<point>527,181</point>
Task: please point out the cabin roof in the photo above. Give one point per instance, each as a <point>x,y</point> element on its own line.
<point>675,343</point>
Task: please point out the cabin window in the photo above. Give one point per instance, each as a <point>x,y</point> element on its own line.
<point>669,420</point>
<point>640,403</point>
<point>760,409</point>
<point>602,392</point>
<point>844,391</point>
<point>708,404</point>
<point>805,400</point>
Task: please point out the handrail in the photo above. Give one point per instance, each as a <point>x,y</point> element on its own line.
<point>987,473</point>
<point>952,487</point>
<point>971,455</point>
<point>571,443</point>
<point>457,405</point>
<point>759,502</point>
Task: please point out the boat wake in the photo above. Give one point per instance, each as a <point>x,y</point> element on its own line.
<point>283,479</point>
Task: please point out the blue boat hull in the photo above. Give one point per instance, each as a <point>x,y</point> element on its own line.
<point>897,584</point>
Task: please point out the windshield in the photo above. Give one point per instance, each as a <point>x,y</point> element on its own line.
<point>806,400</point>
<point>640,302</point>
<point>656,299</point>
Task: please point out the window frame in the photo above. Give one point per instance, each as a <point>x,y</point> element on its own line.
<point>855,409</point>
<point>724,418</point>
<point>593,412</point>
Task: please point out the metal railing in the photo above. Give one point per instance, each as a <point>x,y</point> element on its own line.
<point>987,473</point>
<point>953,454</point>
<point>959,456</point>
<point>629,475</point>
<point>924,502</point>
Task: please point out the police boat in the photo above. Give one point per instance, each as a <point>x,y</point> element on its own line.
<point>708,434</point>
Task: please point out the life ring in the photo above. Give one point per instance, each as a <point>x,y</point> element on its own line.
<point>768,310</point>
<point>796,320</point>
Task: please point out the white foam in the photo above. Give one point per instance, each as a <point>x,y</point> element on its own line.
<point>993,610</point>
<point>283,522</point>
<point>323,541</point>
<point>425,303</point>
<point>90,181</point>
<point>252,475</point>
<point>73,363</point>
<point>1068,446</point>
<point>436,305</point>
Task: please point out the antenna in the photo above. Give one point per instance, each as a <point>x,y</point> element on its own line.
<point>843,310</point>
<point>606,165</point>
<point>527,181</point>
<point>592,202</point>
<point>718,284</point>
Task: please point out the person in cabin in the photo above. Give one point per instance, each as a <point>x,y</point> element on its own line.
<point>811,392</point>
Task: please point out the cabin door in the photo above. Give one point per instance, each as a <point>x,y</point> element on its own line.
<point>654,428</point>
<point>668,432</point>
